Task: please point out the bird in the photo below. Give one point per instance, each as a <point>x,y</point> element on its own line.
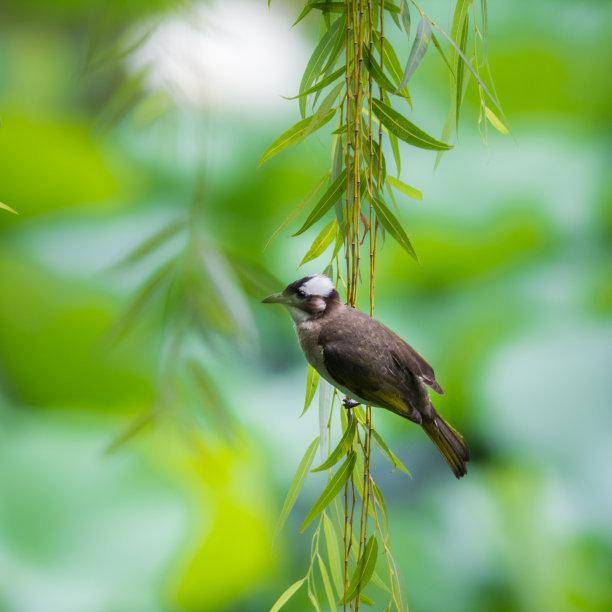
<point>367,362</point>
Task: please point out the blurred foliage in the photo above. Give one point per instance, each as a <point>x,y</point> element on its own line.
<point>511,303</point>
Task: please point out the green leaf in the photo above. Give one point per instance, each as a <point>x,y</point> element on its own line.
<point>328,199</point>
<point>406,17</point>
<point>459,91</point>
<point>405,130</point>
<point>326,236</point>
<point>363,571</point>
<point>380,500</point>
<point>417,52</point>
<point>296,134</point>
<point>322,84</point>
<point>7,207</point>
<point>393,226</point>
<point>139,302</point>
<point>396,153</point>
<point>331,490</point>
<point>152,243</point>
<point>287,595</point>
<point>376,71</point>
<point>329,591</point>
<point>312,382</point>
<point>212,401</point>
<point>297,484</point>
<point>485,22</point>
<point>411,192</point>
<point>469,66</point>
<point>495,121</point>
<point>438,46</point>
<point>325,7</point>
<point>343,447</point>
<point>391,63</point>
<point>323,50</point>
<point>395,462</point>
<point>123,99</point>
<point>324,108</point>
<point>333,553</point>
<point>297,210</point>
<point>392,8</point>
<point>132,430</point>
<point>375,158</point>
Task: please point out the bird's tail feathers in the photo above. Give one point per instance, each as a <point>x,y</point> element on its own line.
<point>450,443</point>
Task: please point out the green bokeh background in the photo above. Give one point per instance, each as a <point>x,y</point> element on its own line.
<point>512,303</point>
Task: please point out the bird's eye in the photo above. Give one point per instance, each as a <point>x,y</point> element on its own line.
<point>301,293</point>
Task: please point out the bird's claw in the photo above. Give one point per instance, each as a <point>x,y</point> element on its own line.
<point>348,403</point>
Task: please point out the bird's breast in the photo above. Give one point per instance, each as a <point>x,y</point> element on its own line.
<point>308,335</point>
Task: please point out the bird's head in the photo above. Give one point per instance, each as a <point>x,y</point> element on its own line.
<point>307,298</point>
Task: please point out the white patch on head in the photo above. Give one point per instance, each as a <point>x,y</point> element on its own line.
<point>318,285</point>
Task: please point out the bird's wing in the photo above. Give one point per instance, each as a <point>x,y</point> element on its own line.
<point>374,379</point>
<point>351,370</point>
<point>358,339</point>
<point>407,358</point>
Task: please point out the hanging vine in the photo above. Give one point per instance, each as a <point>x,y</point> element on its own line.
<point>354,76</point>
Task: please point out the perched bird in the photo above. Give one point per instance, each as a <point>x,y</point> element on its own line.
<point>367,362</point>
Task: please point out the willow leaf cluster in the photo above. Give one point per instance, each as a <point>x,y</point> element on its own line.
<point>198,289</point>
<point>356,86</point>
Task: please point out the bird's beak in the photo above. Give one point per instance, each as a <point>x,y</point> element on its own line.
<point>275,298</point>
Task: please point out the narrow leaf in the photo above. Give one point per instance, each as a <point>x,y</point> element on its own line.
<point>329,198</point>
<point>392,8</point>
<point>132,430</point>
<point>287,595</point>
<point>345,444</point>
<point>139,302</point>
<point>329,591</point>
<point>296,134</point>
<point>438,46</point>
<point>396,153</point>
<point>326,236</point>
<point>417,52</point>
<point>495,121</point>
<point>325,7</point>
<point>397,464</point>
<point>297,210</point>
<point>333,553</point>
<point>459,91</point>
<point>376,71</point>
<point>469,66</point>
<point>411,192</point>
<point>319,56</point>
<point>391,63</point>
<point>297,484</point>
<point>406,17</point>
<point>393,226</point>
<point>485,22</point>
<point>324,109</point>
<point>322,84</point>
<point>363,570</point>
<point>331,490</point>
<point>405,130</point>
<point>151,244</point>
<point>312,382</point>
<point>7,207</point>
<point>213,403</point>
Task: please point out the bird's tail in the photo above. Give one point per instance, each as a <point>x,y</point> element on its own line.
<point>450,443</point>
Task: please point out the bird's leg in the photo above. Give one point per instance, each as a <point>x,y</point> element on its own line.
<point>348,403</point>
